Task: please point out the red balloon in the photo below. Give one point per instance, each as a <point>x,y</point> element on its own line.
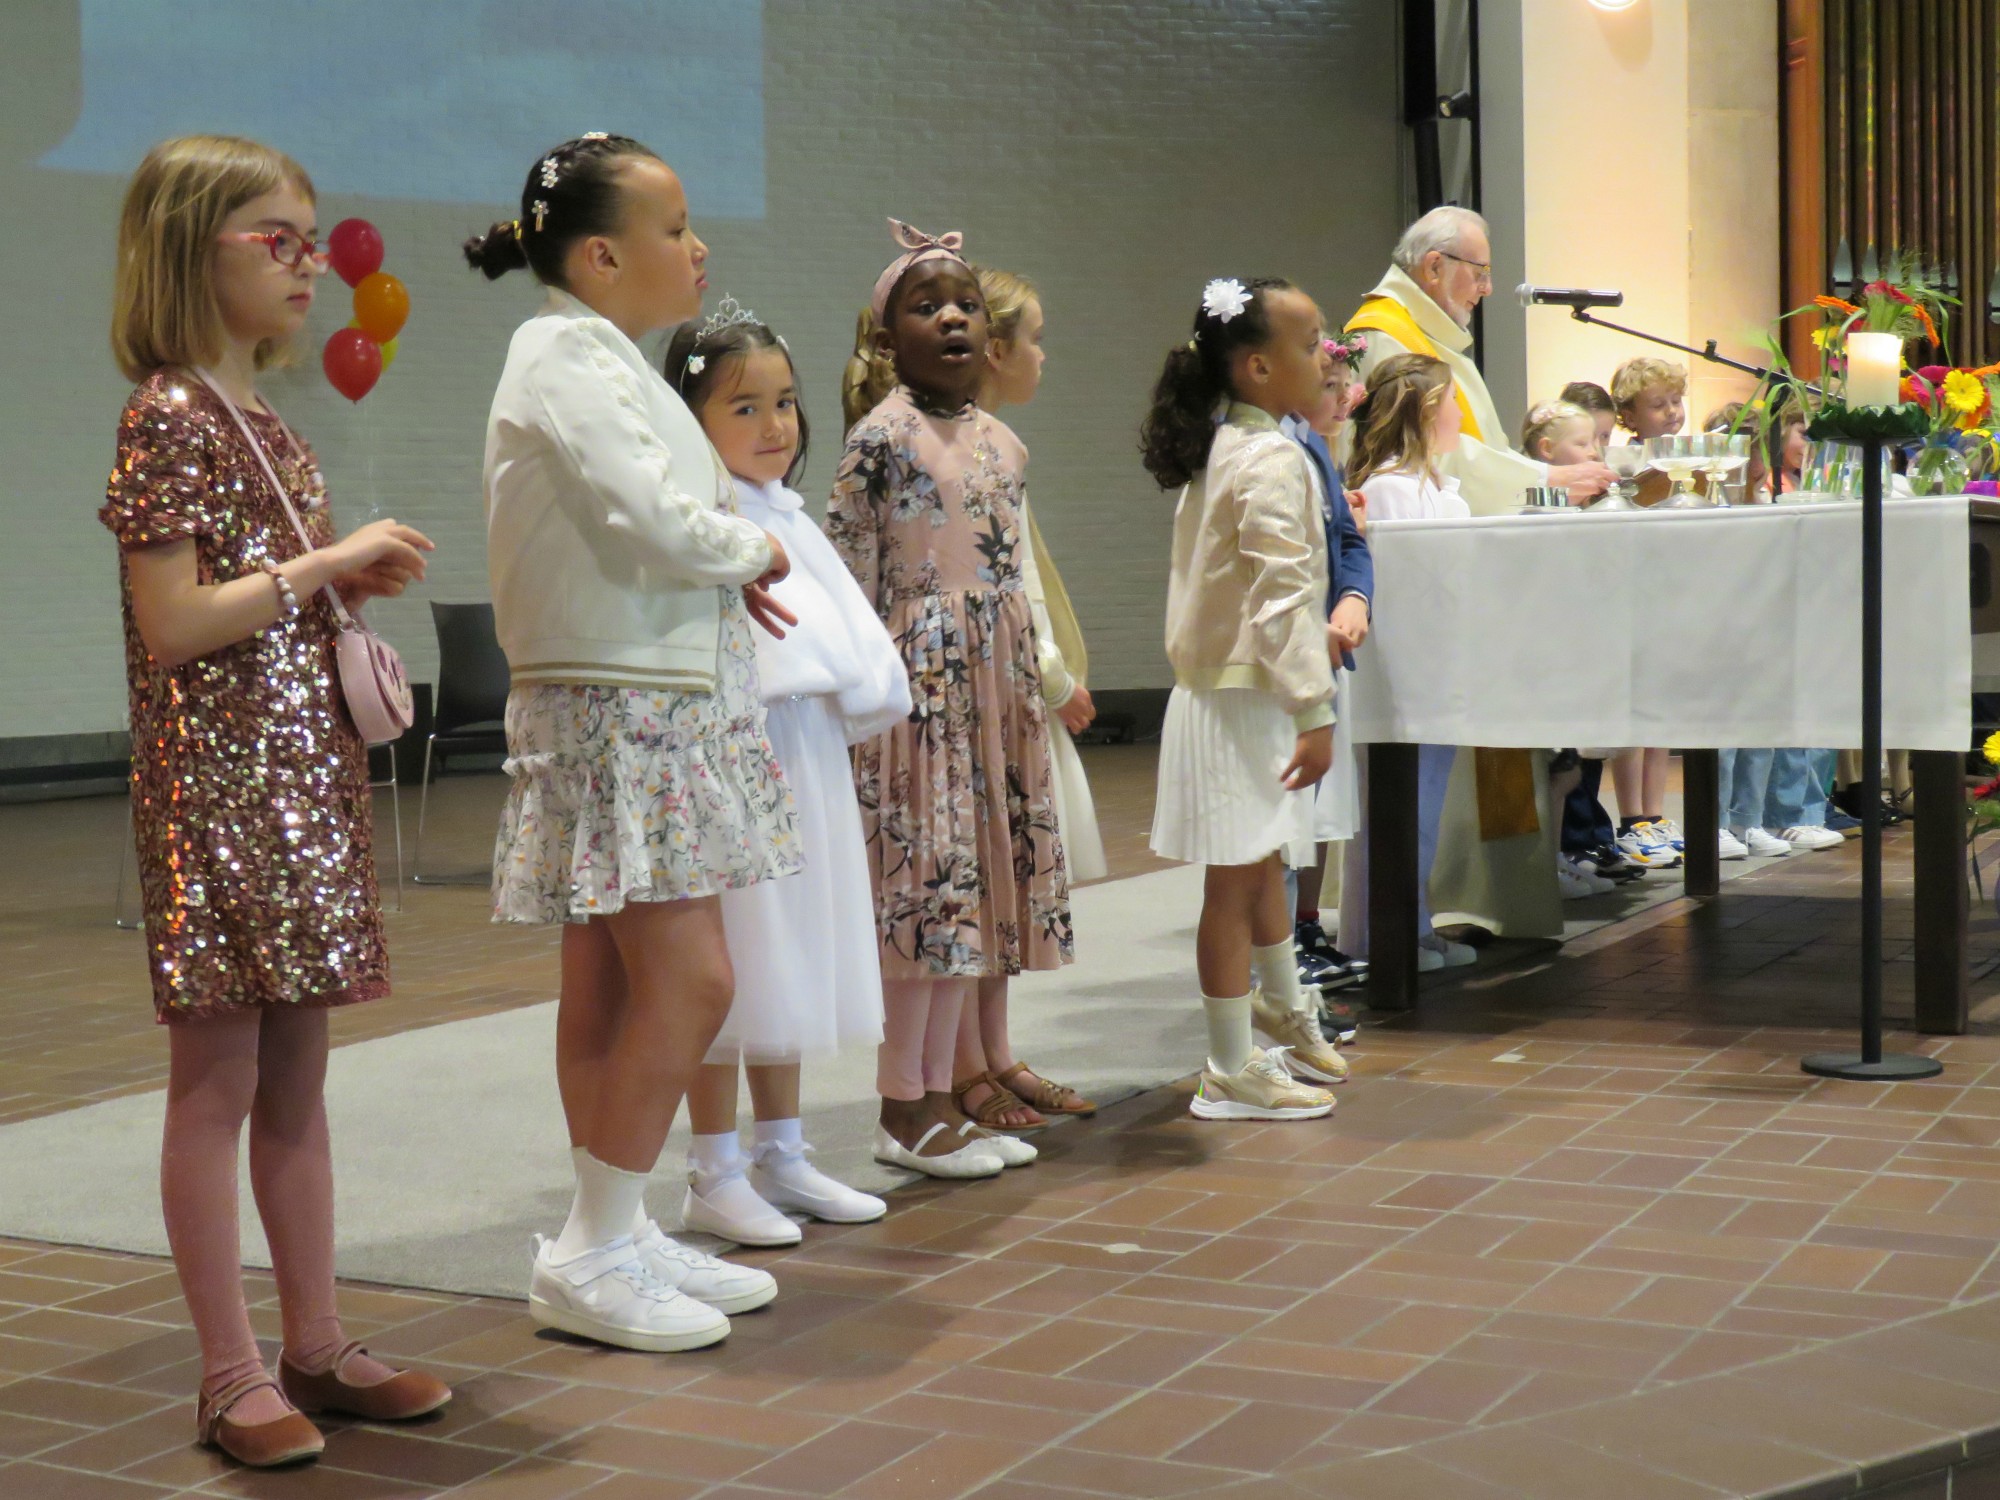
<point>353,363</point>
<point>355,248</point>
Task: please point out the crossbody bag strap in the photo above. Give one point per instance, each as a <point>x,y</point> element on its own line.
<point>278,489</point>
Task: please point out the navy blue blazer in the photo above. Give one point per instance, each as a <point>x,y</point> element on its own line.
<point>1350,569</point>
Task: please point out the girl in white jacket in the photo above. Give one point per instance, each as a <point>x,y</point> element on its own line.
<point>808,969</point>
<point>643,785</point>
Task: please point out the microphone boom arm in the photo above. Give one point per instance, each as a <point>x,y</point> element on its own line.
<point>1707,351</point>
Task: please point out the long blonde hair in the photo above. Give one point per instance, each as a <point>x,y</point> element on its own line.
<point>869,376</point>
<point>1007,297</point>
<point>163,311</point>
<point>1392,428</point>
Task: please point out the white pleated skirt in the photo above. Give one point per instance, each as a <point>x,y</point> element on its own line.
<point>1219,799</point>
<point>808,968</point>
<point>1076,809</point>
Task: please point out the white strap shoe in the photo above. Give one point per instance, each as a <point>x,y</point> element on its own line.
<point>724,1287</point>
<point>610,1296</point>
<point>727,1206</point>
<point>972,1160</point>
<point>784,1179</point>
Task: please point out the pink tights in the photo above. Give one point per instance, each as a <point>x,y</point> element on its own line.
<point>268,1066</point>
<point>919,1033</point>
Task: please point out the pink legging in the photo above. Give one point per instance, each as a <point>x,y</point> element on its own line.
<point>919,1035</point>
<point>268,1066</point>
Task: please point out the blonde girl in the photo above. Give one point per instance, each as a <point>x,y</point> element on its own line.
<point>249,783</point>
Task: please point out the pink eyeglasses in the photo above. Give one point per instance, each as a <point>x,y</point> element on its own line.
<point>288,247</point>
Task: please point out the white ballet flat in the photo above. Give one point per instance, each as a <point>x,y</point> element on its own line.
<point>972,1160</point>
<point>1012,1151</point>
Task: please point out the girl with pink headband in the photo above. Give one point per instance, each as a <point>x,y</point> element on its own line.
<point>957,805</point>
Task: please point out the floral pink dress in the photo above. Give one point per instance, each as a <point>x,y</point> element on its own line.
<point>956,802</point>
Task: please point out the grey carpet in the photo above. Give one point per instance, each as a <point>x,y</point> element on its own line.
<point>449,1143</point>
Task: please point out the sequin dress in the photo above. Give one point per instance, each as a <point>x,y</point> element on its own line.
<point>957,803</point>
<point>250,800</point>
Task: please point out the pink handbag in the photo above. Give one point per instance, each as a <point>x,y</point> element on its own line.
<point>372,679</point>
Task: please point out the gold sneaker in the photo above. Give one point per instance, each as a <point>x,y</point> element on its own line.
<point>1262,1091</point>
<point>1304,1047</point>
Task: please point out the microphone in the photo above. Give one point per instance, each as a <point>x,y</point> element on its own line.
<point>1566,296</point>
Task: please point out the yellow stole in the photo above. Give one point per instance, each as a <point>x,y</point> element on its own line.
<point>1504,780</point>
<point>1387,315</point>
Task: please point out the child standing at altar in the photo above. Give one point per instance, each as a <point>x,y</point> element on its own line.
<point>1652,402</point>
<point>1405,426</point>
<point>970,880</point>
<point>808,978</point>
<point>1249,728</point>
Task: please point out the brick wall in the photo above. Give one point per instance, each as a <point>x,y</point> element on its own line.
<point>1117,153</point>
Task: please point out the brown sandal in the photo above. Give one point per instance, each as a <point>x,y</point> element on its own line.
<point>403,1397</point>
<point>1049,1098</point>
<point>998,1102</point>
<point>289,1439</point>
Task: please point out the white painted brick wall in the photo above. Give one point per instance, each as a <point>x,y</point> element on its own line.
<point>1117,153</point>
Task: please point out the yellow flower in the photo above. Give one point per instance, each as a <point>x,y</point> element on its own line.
<point>1964,393</point>
<point>1991,749</point>
<point>1826,337</point>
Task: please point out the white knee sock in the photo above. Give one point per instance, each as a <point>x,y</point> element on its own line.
<point>1277,969</point>
<point>1229,1044</point>
<point>608,1204</point>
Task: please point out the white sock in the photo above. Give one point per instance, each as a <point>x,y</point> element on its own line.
<point>608,1204</point>
<point>787,1133</point>
<point>1229,1044</point>
<point>717,1155</point>
<point>1277,969</point>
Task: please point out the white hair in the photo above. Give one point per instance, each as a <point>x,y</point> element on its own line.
<point>1440,229</point>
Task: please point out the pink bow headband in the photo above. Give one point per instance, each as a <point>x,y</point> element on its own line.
<point>917,248</point>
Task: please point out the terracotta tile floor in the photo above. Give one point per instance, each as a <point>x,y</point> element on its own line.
<point>1580,1227</point>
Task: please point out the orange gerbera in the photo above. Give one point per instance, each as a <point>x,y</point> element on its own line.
<point>1834,304</point>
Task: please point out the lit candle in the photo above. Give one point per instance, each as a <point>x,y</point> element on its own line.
<point>1874,369</point>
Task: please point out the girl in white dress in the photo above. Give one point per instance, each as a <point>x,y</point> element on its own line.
<point>808,970</point>
<point>1404,427</point>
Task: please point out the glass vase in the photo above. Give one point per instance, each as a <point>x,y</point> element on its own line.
<point>1938,467</point>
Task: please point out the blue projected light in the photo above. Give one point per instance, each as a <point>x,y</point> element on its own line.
<point>443,100</point>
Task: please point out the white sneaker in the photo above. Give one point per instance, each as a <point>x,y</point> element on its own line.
<point>1011,1149</point>
<point>1576,882</point>
<point>726,1205</point>
<point>1669,830</point>
<point>1729,846</point>
<point>1806,838</point>
<point>1645,844</point>
<point>1763,845</point>
<point>784,1179</point>
<point>1450,955</point>
<point>726,1288</point>
<point>609,1295</point>
<point>972,1160</point>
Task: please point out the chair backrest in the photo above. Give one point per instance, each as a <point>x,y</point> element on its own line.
<point>472,669</point>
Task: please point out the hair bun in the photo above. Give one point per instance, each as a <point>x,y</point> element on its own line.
<point>497,251</point>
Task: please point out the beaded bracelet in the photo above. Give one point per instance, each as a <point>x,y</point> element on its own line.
<point>286,598</point>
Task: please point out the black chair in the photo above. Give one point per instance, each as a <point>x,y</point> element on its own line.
<point>470,713</point>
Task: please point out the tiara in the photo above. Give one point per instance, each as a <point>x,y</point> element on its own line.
<point>729,313</point>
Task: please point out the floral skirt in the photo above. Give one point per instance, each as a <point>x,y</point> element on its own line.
<point>622,795</point>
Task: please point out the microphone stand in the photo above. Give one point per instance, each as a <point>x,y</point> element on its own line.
<point>1707,351</point>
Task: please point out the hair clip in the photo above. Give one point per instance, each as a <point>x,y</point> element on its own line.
<point>541,212</point>
<point>550,167</point>
<point>1191,346</point>
<point>595,135</point>
<point>1224,299</point>
<point>515,225</point>
<point>728,313</point>
<point>696,364</point>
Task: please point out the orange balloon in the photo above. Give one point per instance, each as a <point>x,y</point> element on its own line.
<point>381,306</point>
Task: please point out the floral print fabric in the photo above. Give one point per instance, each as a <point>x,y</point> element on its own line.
<point>956,802</point>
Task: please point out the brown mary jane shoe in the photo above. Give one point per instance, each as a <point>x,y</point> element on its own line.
<point>402,1397</point>
<point>289,1439</point>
